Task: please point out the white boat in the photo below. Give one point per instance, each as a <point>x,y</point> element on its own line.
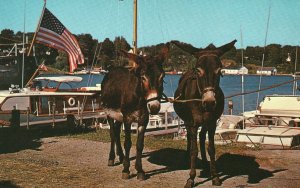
<point>284,137</point>
<point>275,123</point>
<point>165,119</point>
<point>226,130</point>
<point>51,97</point>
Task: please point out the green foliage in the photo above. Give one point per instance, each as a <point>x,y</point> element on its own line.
<point>107,54</point>
<point>61,62</point>
<point>88,47</point>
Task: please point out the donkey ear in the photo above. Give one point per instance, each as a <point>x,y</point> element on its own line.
<point>225,48</point>
<point>129,55</point>
<point>133,58</point>
<point>186,47</point>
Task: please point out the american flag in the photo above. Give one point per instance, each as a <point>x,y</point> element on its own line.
<point>54,34</point>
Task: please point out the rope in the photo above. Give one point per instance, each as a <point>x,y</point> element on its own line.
<point>263,57</point>
<point>263,89</point>
<point>171,100</point>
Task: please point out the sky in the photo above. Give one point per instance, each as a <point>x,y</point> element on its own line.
<point>198,22</point>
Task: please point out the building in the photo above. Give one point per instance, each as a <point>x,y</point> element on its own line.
<point>266,71</point>
<point>235,71</point>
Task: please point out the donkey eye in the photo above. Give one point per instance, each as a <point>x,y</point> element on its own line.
<point>218,72</point>
<point>200,71</point>
<point>144,78</point>
<point>161,76</point>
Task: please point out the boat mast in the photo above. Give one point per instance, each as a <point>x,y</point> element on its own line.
<point>23,46</point>
<point>295,68</point>
<point>134,42</point>
<point>263,57</point>
<point>243,97</point>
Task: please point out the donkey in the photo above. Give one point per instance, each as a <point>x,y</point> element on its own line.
<point>201,83</point>
<point>130,95</point>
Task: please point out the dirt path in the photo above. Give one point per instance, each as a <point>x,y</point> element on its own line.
<point>61,162</point>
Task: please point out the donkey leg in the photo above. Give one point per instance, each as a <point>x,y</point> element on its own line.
<point>188,138</point>
<point>193,156</point>
<point>188,147</point>
<point>202,138</point>
<point>127,146</point>
<point>112,156</point>
<point>118,141</point>
<point>211,152</point>
<point>139,152</point>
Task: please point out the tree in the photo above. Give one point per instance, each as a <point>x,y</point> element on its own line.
<point>62,62</point>
<point>7,36</point>
<point>120,43</point>
<point>107,53</point>
<point>273,54</point>
<point>88,47</point>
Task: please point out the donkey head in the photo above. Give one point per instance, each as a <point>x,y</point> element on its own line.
<point>150,74</point>
<point>208,68</point>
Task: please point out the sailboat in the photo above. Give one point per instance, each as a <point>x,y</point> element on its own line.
<point>276,122</point>
<point>50,97</point>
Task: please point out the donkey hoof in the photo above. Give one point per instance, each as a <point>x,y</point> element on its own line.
<point>141,176</point>
<point>121,159</point>
<point>189,183</point>
<point>111,162</point>
<point>216,181</point>
<point>125,175</point>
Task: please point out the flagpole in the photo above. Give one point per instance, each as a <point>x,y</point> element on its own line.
<point>37,28</point>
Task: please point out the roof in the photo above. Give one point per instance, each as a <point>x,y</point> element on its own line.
<point>266,68</point>
<point>60,78</point>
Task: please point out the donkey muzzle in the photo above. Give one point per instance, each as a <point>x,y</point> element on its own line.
<point>153,104</point>
<point>209,100</point>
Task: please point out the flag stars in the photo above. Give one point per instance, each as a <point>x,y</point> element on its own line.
<point>50,22</point>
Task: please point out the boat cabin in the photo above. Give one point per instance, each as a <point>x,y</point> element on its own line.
<point>51,95</point>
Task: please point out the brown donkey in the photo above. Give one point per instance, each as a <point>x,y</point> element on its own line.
<point>130,96</point>
<point>202,83</point>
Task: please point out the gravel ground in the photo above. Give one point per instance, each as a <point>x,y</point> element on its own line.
<point>67,162</point>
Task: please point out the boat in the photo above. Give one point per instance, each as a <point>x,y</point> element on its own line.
<point>275,123</point>
<point>10,70</point>
<point>51,97</point>
<point>226,130</point>
<point>166,119</point>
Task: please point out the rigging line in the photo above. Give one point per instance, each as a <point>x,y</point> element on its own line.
<point>263,57</point>
<point>263,89</point>
<point>230,96</point>
<point>159,18</point>
<point>85,97</point>
<point>92,66</point>
<point>90,78</point>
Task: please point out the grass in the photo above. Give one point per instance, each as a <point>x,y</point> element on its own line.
<point>151,142</point>
<point>16,140</point>
<point>157,142</point>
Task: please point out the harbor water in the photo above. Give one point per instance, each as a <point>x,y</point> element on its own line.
<point>230,84</point>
